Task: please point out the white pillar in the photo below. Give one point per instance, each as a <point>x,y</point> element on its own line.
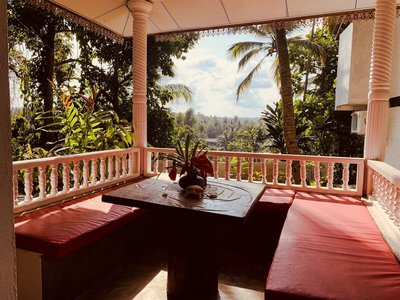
<point>140,11</point>
<point>8,276</point>
<point>379,82</point>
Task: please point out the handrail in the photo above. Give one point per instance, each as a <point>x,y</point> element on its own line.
<point>48,180</point>
<point>276,170</point>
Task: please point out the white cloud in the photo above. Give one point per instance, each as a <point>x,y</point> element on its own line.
<point>213,78</point>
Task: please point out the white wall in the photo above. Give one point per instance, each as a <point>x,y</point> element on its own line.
<point>8,287</point>
<point>392,155</point>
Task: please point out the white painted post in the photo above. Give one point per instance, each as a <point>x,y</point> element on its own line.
<point>303,174</point>
<point>65,177</point>
<point>379,82</point>
<point>102,169</point>
<point>85,173</point>
<point>42,182</point>
<point>140,11</point>
<point>54,179</point>
<point>275,171</point>
<point>93,172</point>
<point>288,172</point>
<point>28,184</point>
<point>317,174</point>
<point>76,175</point>
<point>8,273</point>
<point>330,175</point>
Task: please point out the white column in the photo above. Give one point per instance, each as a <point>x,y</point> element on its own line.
<point>8,275</point>
<point>140,11</point>
<point>379,82</point>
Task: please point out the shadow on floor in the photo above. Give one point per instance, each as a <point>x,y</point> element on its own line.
<point>245,255</point>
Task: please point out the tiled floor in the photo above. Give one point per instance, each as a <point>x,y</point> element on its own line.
<point>244,259</point>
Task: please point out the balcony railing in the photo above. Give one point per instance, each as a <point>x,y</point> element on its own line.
<point>384,194</point>
<point>39,182</point>
<point>323,174</point>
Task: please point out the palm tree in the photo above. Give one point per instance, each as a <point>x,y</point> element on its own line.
<point>276,43</point>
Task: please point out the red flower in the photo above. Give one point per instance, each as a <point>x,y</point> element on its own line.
<point>202,163</point>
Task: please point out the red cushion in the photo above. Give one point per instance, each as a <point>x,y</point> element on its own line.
<point>276,201</point>
<point>330,248</point>
<point>58,230</point>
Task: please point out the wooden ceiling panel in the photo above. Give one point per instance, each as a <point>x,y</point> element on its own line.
<point>115,19</point>
<point>90,8</point>
<point>196,13</point>
<point>161,20</point>
<point>298,8</point>
<point>242,11</point>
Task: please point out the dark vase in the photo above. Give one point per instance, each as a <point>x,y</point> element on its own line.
<point>191,179</point>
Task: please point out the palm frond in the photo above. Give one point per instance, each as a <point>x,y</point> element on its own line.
<point>246,82</point>
<point>240,48</point>
<point>179,91</point>
<point>249,55</point>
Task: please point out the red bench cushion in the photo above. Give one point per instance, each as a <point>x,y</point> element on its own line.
<point>276,201</point>
<point>330,248</point>
<point>58,230</point>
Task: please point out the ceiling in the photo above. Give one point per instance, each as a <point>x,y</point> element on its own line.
<point>183,15</point>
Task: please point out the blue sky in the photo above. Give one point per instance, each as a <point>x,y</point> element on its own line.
<point>213,78</point>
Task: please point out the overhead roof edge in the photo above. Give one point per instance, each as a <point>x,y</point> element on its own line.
<point>62,12</point>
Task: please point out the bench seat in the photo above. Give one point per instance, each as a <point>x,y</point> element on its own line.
<point>330,248</point>
<point>275,200</point>
<point>58,230</point>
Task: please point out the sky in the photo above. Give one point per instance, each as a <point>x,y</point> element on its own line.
<point>213,78</point>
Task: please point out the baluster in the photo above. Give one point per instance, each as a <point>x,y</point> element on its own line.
<point>42,182</point>
<point>94,171</point>
<point>28,184</point>
<point>155,163</point>
<point>54,179</point>
<point>76,175</point>
<point>85,173</point>
<point>397,208</point>
<point>239,169</point>
<point>110,167</point>
<point>275,171</point>
<point>330,175</point>
<point>165,165</point>
<point>392,201</point>
<point>317,174</point>
<point>117,167</point>
<point>386,196</point>
<point>130,164</point>
<point>227,168</point>
<point>346,176</point>
<point>15,187</point>
<point>251,169</point>
<point>263,171</point>
<point>288,172</point>
<point>65,177</point>
<point>102,169</point>
<point>123,161</point>
<point>303,173</point>
<point>216,166</point>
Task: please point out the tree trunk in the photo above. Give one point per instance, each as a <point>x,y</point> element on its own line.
<point>289,125</point>
<point>45,76</point>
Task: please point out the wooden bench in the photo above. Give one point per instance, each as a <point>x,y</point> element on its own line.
<point>62,249</point>
<point>330,248</point>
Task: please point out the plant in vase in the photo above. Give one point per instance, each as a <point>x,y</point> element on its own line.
<point>193,163</point>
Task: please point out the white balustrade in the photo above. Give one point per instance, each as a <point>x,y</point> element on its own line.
<point>276,170</point>
<point>383,189</point>
<point>38,174</point>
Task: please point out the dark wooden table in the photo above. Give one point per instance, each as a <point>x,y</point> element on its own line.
<point>192,227</point>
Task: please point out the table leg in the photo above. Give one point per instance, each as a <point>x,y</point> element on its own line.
<point>192,257</point>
